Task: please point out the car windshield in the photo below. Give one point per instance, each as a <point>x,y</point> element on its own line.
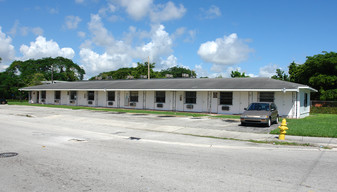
<point>259,107</point>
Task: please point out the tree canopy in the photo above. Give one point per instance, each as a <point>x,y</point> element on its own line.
<point>318,71</point>
<point>32,72</point>
<point>59,68</point>
<point>280,75</point>
<point>237,74</point>
<point>141,70</point>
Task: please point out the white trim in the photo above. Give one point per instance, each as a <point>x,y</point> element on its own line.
<point>239,90</point>
<point>311,89</point>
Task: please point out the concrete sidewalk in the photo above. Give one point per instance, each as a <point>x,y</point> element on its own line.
<point>245,136</point>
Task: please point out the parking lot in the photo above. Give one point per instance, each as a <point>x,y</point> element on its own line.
<point>132,120</point>
<point>52,149</point>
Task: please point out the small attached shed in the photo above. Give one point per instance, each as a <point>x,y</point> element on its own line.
<point>220,95</point>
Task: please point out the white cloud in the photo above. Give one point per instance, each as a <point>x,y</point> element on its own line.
<point>122,53</point>
<point>200,71</point>
<point>268,71</point>
<point>95,63</point>
<point>108,9</point>
<point>166,12</point>
<point>71,22</point>
<point>160,44</point>
<point>101,35</point>
<point>211,13</point>
<point>137,9</point>
<point>170,61</point>
<point>42,48</point>
<point>7,52</point>
<point>224,51</point>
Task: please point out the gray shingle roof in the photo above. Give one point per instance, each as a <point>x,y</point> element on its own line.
<point>176,84</point>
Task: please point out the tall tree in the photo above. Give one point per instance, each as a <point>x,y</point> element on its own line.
<point>32,72</point>
<point>280,75</point>
<point>318,71</point>
<point>141,69</point>
<point>123,73</point>
<point>237,74</point>
<point>58,68</point>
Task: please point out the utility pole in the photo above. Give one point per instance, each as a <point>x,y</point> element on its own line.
<point>52,74</point>
<point>148,67</point>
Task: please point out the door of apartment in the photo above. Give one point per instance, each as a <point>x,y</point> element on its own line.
<point>250,97</point>
<point>126,98</point>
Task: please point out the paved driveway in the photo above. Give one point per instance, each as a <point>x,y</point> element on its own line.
<point>136,120</point>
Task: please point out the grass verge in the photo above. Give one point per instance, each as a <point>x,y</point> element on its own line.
<point>316,125</point>
<point>173,113</point>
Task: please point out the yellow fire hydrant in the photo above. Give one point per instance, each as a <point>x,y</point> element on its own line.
<point>283,129</point>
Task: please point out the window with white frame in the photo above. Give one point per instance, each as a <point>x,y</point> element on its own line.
<point>57,95</point>
<point>133,96</point>
<point>190,97</point>
<point>91,95</point>
<point>226,98</point>
<point>266,97</point>
<point>111,95</point>
<point>160,96</point>
<point>43,94</point>
<point>73,95</point>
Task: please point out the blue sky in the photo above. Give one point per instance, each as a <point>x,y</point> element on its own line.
<point>211,37</point>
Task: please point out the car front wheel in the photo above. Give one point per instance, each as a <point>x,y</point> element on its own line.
<point>269,122</point>
<point>276,120</point>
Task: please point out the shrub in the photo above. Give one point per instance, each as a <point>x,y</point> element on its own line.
<point>325,110</point>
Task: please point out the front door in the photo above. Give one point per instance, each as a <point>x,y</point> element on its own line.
<point>250,97</point>
<point>126,99</point>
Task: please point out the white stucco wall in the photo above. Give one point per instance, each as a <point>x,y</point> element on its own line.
<point>285,103</point>
<point>290,104</point>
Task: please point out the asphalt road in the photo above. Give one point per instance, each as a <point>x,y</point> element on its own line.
<point>78,150</point>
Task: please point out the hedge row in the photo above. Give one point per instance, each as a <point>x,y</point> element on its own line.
<point>326,110</point>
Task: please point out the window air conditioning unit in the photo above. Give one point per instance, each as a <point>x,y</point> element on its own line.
<point>90,102</point>
<point>110,103</point>
<point>72,101</point>
<point>160,105</point>
<point>56,101</point>
<point>189,106</point>
<point>225,108</point>
<point>133,104</point>
<point>42,100</point>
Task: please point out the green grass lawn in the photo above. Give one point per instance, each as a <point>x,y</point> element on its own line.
<point>173,113</point>
<point>316,125</point>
